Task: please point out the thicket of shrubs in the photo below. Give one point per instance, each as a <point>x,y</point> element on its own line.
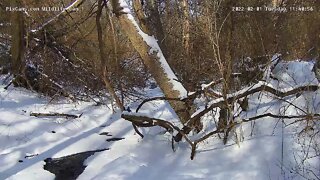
<point>66,51</point>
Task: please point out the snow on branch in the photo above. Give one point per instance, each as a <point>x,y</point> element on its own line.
<point>145,121</point>
<point>65,11</point>
<point>152,42</point>
<point>232,125</point>
<point>245,92</point>
<point>141,120</point>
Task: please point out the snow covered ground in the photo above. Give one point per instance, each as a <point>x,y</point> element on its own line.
<point>266,152</point>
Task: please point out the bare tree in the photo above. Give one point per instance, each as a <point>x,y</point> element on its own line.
<point>103,56</point>
<point>186,26</point>
<point>18,41</point>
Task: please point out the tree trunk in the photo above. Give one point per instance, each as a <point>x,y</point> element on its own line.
<point>226,113</point>
<point>103,56</point>
<point>316,70</point>
<point>18,41</point>
<point>151,24</point>
<point>138,9</point>
<point>156,25</point>
<point>153,58</point>
<point>186,26</point>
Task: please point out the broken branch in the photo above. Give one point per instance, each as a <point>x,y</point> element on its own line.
<point>55,115</point>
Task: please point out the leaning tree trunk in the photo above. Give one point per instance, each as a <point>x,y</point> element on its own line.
<point>143,21</point>
<point>151,24</point>
<point>156,25</point>
<point>153,58</point>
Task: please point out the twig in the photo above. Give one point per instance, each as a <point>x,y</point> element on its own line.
<point>137,130</point>
<point>308,116</point>
<point>7,86</point>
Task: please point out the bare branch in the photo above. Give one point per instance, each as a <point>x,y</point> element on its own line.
<point>65,11</point>
<point>144,121</point>
<point>307,116</point>
<point>156,98</point>
<point>55,115</point>
<point>240,94</point>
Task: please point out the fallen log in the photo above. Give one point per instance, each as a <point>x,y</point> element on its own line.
<point>72,116</point>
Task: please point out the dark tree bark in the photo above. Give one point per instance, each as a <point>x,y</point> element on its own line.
<point>18,41</point>
<point>186,27</point>
<point>103,60</point>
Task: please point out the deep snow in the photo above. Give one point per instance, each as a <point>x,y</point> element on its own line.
<point>266,152</point>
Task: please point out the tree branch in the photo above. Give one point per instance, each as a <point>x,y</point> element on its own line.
<point>156,98</point>
<point>240,94</point>
<point>144,121</point>
<point>307,116</point>
<point>55,115</point>
<point>76,3</point>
